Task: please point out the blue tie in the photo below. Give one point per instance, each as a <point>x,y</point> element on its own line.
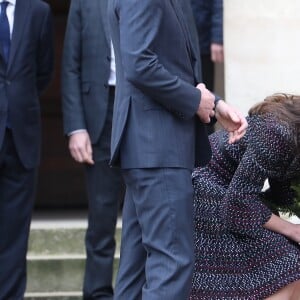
<point>4,31</point>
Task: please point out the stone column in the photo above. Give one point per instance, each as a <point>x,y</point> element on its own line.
<point>262,49</point>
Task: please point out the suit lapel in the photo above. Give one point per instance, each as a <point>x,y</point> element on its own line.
<point>192,48</point>
<point>3,61</point>
<point>2,57</point>
<point>103,8</point>
<point>21,13</point>
<point>183,25</point>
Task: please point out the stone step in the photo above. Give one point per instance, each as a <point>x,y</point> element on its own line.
<point>57,274</point>
<point>59,236</point>
<point>56,257</point>
<point>54,296</point>
<point>60,241</point>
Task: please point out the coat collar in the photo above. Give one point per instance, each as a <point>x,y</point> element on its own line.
<point>102,6</point>
<point>21,14</point>
<point>182,19</point>
<point>12,2</point>
<point>183,25</point>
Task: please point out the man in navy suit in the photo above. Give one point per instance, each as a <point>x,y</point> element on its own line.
<point>26,61</point>
<point>88,88</point>
<point>158,137</point>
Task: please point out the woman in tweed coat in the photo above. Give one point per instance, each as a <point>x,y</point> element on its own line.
<point>244,250</point>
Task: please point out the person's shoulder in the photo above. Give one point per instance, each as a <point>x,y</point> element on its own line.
<point>41,10</point>
<point>270,129</point>
<point>270,122</point>
<point>271,142</point>
<point>41,5</point>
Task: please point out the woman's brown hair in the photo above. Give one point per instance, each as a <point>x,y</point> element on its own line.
<point>285,107</point>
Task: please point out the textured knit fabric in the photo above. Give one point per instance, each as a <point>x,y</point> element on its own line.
<point>236,257</point>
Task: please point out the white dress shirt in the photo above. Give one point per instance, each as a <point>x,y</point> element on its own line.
<point>112,76</point>
<point>10,12</point>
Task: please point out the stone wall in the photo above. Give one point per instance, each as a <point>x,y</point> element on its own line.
<point>262,49</point>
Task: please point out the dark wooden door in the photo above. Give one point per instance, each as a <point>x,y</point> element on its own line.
<point>61,180</point>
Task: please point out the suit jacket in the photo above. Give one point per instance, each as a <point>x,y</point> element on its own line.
<point>190,19</point>
<point>156,101</point>
<point>24,77</point>
<point>86,67</point>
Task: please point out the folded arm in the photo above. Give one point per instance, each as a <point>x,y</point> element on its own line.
<point>140,33</point>
<point>268,154</point>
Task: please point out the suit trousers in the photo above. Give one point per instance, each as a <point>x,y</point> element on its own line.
<point>157,248</point>
<point>104,190</point>
<point>17,190</point>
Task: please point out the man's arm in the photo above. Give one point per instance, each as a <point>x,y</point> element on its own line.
<point>74,121</point>
<point>73,114</point>
<point>140,24</point>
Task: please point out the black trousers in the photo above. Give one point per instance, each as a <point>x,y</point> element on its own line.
<point>17,190</point>
<point>104,189</point>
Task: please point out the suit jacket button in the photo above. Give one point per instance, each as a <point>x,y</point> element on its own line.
<point>108,58</point>
<point>7,82</point>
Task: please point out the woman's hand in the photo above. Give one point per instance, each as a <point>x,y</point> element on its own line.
<point>231,120</point>
<point>295,233</point>
<point>286,228</point>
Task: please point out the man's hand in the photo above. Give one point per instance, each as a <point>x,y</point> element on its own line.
<point>217,53</point>
<point>231,120</point>
<point>81,148</point>
<point>207,104</point>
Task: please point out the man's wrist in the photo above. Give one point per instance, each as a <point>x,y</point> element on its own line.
<point>76,131</point>
<point>217,100</point>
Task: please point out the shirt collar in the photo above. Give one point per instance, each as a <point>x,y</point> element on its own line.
<point>12,2</point>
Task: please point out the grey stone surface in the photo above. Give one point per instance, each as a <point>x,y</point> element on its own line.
<point>53,296</point>
<point>58,241</point>
<point>61,274</point>
<point>56,259</point>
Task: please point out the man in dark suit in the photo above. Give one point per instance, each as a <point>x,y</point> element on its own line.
<point>26,62</point>
<point>208,16</point>
<point>88,85</point>
<point>159,112</point>
<point>209,22</point>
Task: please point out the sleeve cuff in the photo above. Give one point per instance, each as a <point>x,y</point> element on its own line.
<point>76,131</point>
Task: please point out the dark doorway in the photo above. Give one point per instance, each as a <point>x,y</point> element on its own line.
<point>61,180</point>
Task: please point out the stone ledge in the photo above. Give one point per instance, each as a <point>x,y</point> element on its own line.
<point>57,274</point>
<point>60,241</point>
<point>54,296</point>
